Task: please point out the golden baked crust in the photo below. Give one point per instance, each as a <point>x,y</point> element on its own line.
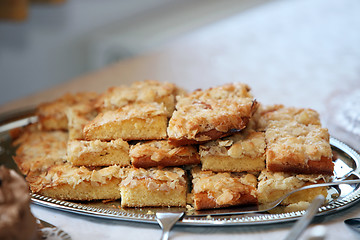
<point>52,116</point>
<point>273,185</point>
<point>40,150</point>
<point>210,114</point>
<point>67,182</point>
<point>296,142</point>
<point>78,116</point>
<point>143,121</point>
<point>154,187</point>
<point>98,153</point>
<point>244,151</point>
<point>140,92</point>
<point>218,190</point>
<point>162,154</point>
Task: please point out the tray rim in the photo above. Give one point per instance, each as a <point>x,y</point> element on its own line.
<point>231,220</point>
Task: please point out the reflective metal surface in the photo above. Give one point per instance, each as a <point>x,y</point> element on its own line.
<point>346,167</point>
<point>51,232</point>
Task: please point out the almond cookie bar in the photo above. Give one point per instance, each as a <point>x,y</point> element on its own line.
<point>211,114</point>
<point>273,185</point>
<point>52,116</point>
<point>296,142</point>
<point>162,154</point>
<point>154,188</point>
<point>219,190</point>
<point>67,182</point>
<point>98,153</point>
<point>140,92</point>
<point>241,152</point>
<point>143,121</point>
<point>39,150</point>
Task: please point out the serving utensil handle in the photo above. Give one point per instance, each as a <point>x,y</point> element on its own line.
<point>305,220</point>
<point>166,221</point>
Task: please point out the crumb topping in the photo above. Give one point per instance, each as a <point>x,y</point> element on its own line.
<point>248,143</point>
<point>308,142</point>
<point>68,174</point>
<point>159,150</point>
<point>223,109</point>
<point>268,181</point>
<point>156,179</point>
<point>139,92</point>
<point>79,147</point>
<point>57,107</point>
<point>223,187</point>
<point>304,116</point>
<point>39,150</point>
<point>141,110</point>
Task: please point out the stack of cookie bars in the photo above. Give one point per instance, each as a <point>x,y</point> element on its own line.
<point>153,144</point>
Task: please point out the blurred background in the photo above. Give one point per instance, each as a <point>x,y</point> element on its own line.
<point>46,42</point>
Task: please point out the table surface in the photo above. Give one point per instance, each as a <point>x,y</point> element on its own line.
<point>302,53</point>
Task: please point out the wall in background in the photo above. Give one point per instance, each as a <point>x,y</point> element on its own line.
<point>60,42</point>
<point>49,47</point>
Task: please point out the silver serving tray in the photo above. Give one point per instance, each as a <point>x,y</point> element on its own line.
<point>347,164</point>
